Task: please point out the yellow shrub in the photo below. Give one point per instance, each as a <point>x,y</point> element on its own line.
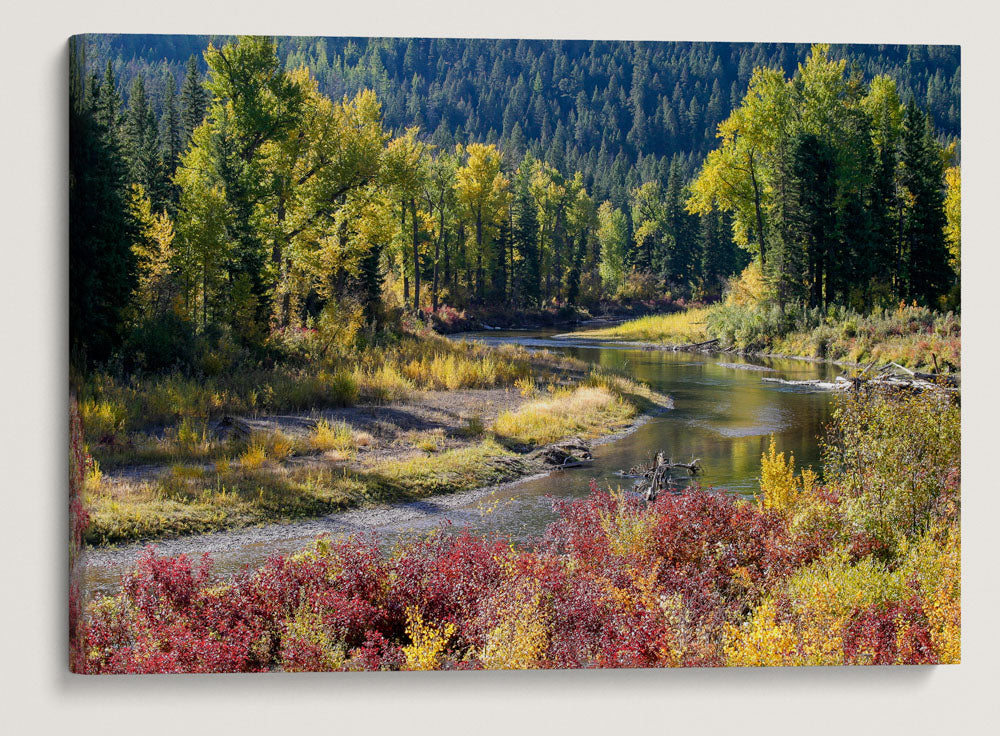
<point>383,384</point>
<point>100,417</point>
<point>761,641</point>
<point>190,437</point>
<point>750,289</point>
<point>427,642</point>
<point>521,640</point>
<point>526,386</point>
<point>629,531</point>
<point>935,561</point>
<point>307,627</point>
<point>779,490</point>
<point>253,457</point>
<point>280,445</point>
<point>93,477</point>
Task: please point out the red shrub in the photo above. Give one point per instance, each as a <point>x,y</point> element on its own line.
<point>895,633</point>
<point>613,583</point>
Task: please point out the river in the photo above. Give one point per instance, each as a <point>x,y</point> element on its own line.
<point>722,415</point>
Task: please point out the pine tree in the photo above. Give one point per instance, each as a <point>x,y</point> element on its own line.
<point>812,223</point>
<point>171,133</point>
<point>107,108</point>
<point>527,273</point>
<point>194,100</point>
<point>682,227</point>
<point>141,146</point>
<point>101,230</point>
<point>923,178</point>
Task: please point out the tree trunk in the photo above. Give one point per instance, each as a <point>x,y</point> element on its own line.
<point>416,256</point>
<point>437,254</point>
<point>479,253</point>
<point>402,266</point>
<point>757,211</point>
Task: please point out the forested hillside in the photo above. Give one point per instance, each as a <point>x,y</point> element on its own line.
<point>616,111</point>
<point>252,185</point>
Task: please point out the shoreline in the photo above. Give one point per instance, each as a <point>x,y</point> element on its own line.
<point>674,347</point>
<point>287,537</point>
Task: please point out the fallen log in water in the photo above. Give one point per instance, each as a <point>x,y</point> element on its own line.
<point>654,477</point>
<point>815,383</point>
<point>695,345</point>
<point>891,375</point>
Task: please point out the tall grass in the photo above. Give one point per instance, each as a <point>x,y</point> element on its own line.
<point>909,335</point>
<point>112,407</point>
<point>678,327</point>
<point>586,410</point>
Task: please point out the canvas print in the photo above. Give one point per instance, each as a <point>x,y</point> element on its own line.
<point>415,354</point>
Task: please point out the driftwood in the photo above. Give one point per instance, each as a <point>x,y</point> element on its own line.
<point>571,453</point>
<point>654,477</point>
<point>695,345</point>
<point>815,383</point>
<point>746,367</point>
<point>891,375</point>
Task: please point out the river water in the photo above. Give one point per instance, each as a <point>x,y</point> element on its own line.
<point>722,415</point>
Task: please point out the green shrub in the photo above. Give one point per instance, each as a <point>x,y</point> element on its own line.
<point>896,456</point>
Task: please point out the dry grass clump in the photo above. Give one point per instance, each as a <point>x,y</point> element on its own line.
<point>587,410</point>
<point>332,436</point>
<point>383,385</point>
<point>430,440</point>
<point>680,327</point>
<point>253,457</point>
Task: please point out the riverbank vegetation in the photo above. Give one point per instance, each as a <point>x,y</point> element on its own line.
<point>861,568</point>
<point>846,201</point>
<point>916,337</point>
<point>197,478</point>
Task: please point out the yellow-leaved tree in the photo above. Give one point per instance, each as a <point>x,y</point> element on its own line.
<point>482,193</point>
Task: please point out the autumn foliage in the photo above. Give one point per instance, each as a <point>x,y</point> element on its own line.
<point>696,579</point>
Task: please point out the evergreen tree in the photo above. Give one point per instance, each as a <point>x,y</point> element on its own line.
<point>194,100</point>
<point>107,109</point>
<point>527,274</point>
<point>101,261</point>
<point>171,133</point>
<point>141,146</point>
<point>923,178</point>
<point>684,261</point>
<point>813,221</point>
